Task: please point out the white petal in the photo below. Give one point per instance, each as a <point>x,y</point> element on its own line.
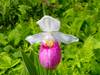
<point>65,38</point>
<point>48,23</point>
<point>34,38</point>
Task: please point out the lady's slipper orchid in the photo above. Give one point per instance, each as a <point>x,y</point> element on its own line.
<point>50,52</point>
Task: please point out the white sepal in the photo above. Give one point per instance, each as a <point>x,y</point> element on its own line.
<point>48,24</point>
<point>34,38</point>
<point>64,38</point>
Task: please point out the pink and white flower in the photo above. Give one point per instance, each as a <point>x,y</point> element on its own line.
<point>50,51</point>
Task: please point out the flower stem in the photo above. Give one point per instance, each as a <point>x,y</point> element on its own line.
<point>43,7</point>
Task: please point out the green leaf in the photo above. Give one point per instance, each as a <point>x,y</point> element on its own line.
<point>5,61</point>
<point>76,26</point>
<point>3,39</point>
<point>87,50</point>
<point>29,64</point>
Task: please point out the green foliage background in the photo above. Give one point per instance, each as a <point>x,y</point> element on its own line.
<point>78,17</point>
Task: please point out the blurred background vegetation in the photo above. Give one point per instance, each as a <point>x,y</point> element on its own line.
<point>78,17</point>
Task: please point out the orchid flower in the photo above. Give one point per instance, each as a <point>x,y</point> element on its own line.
<point>50,51</point>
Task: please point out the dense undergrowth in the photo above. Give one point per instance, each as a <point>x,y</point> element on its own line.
<point>78,17</point>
